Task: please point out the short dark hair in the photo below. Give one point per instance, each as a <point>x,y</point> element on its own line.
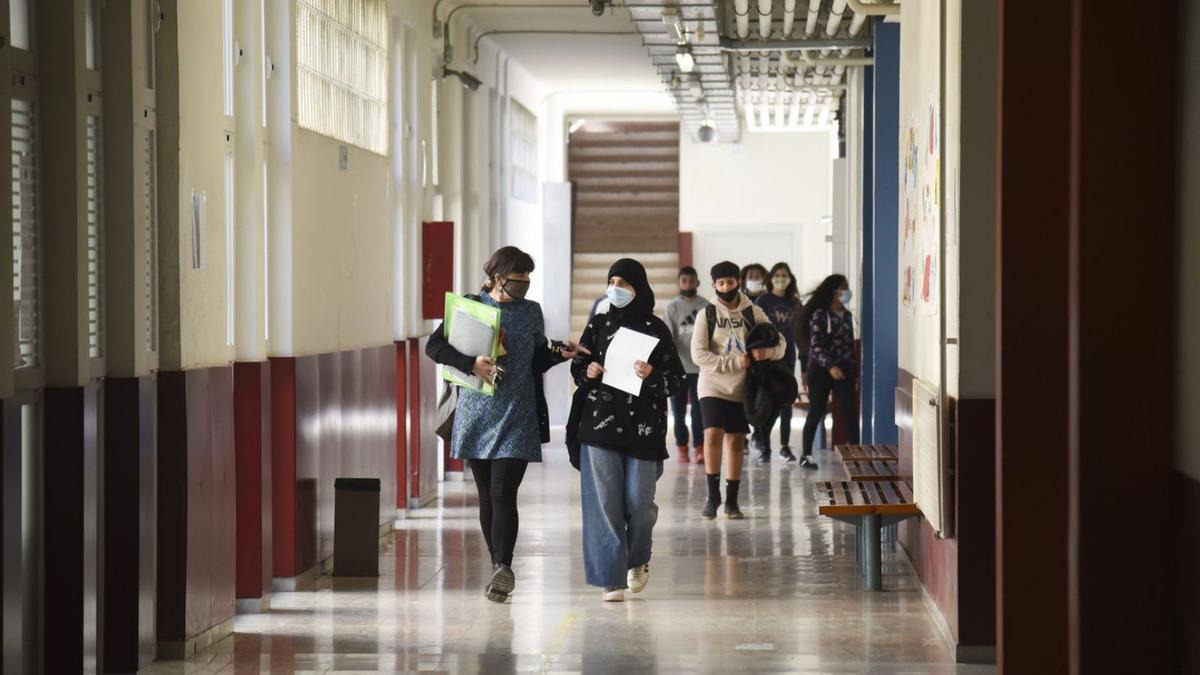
<point>688,271</point>
<point>505,261</point>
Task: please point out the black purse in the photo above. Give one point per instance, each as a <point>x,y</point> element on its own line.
<point>447,403</point>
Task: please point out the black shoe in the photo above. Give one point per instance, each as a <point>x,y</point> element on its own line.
<point>710,510</point>
<point>764,457</point>
<point>807,462</point>
<point>732,512</point>
<point>786,454</point>
<point>502,583</point>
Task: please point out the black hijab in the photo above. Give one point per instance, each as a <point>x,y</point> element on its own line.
<point>635,275</point>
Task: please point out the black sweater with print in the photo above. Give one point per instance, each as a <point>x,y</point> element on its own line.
<point>612,419</point>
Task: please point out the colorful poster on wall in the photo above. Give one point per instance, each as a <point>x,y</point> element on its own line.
<point>920,240</point>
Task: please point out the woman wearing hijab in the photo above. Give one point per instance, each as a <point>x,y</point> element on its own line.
<point>500,435</point>
<point>622,437</point>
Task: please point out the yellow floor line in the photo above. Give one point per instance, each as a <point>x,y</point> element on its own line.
<point>560,636</point>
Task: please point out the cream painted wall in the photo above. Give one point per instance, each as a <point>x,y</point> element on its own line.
<point>759,200</point>
<point>1187,378</point>
<point>202,147</point>
<point>342,248</point>
<point>920,331</point>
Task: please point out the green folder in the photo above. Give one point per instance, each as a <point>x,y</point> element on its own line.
<point>472,328</point>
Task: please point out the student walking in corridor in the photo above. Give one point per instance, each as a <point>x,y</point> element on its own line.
<point>621,437</point>
<point>719,348</point>
<point>832,365</point>
<point>682,313</point>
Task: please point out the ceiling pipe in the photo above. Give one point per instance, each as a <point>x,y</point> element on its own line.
<point>793,45</point>
<point>486,33</point>
<point>836,12</point>
<point>741,8</point>
<point>789,17</point>
<point>766,11</point>
<point>874,9</point>
<point>814,13</point>
<point>448,49</point>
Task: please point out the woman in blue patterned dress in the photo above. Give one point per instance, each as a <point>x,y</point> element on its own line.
<point>500,434</point>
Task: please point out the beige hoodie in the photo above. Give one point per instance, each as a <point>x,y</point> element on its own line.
<point>721,372</point>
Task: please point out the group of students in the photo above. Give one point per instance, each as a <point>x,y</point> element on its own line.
<point>724,358</point>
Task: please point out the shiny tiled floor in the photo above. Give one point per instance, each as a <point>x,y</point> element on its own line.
<point>775,592</point>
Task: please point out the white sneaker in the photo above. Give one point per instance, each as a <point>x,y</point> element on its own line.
<point>638,578</point>
<point>614,594</point>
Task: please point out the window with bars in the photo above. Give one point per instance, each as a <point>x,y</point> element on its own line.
<point>522,134</point>
<point>149,222</point>
<point>25,237</point>
<point>95,238</point>
<point>342,70</point>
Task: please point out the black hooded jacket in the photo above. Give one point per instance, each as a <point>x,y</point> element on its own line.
<point>612,419</point>
<point>770,385</point>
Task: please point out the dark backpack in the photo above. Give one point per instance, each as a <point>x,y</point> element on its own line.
<point>710,315</point>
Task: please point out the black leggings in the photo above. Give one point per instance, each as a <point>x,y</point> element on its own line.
<point>497,481</point>
<point>820,383</point>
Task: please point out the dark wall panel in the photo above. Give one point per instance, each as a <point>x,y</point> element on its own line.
<point>283,467</point>
<point>1185,574</point>
<point>344,426</point>
<point>130,536</point>
<point>252,429</point>
<point>71,508</point>
<point>197,504</point>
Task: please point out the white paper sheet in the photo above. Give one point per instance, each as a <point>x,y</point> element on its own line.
<point>626,347</point>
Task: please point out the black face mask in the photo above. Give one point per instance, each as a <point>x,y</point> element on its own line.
<point>688,292</point>
<point>515,288</point>
<point>728,296</point>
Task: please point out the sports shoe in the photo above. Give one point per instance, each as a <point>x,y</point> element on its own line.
<point>786,453</point>
<point>807,462</point>
<point>733,512</point>
<point>613,594</point>
<point>638,578</point>
<point>710,510</point>
<point>699,454</point>
<point>764,457</point>
<point>502,583</point>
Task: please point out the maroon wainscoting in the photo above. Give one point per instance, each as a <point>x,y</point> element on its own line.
<point>129,522</point>
<point>332,417</point>
<point>71,527</point>
<point>686,250</point>
<point>1185,573</point>
<point>197,501</point>
<point>437,256</point>
<point>959,573</point>
<point>252,436</point>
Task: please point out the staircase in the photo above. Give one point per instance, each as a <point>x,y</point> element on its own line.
<point>588,281</point>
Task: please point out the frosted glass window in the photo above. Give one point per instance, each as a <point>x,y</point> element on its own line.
<point>95,238</point>
<point>342,70</point>
<point>227,56</point>
<point>149,222</point>
<point>524,148</point>
<point>25,235</point>
<point>230,290</point>
<point>20,23</point>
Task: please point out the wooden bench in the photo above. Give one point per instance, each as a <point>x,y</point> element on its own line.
<point>869,506</point>
<point>866,453</point>
<point>873,470</point>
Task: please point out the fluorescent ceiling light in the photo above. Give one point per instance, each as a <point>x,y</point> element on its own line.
<point>674,23</point>
<point>685,61</point>
<point>575,125</point>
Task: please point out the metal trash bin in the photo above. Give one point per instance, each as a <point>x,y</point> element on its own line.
<point>356,527</point>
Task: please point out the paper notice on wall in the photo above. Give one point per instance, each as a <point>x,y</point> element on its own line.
<point>627,347</point>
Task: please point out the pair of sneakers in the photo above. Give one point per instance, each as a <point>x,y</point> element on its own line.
<point>636,580</point>
<point>785,453</point>
<point>732,511</point>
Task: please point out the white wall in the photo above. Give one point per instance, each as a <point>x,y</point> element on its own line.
<point>761,200</point>
<point>1187,448</point>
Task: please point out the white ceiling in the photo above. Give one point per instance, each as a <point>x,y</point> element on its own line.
<point>571,63</point>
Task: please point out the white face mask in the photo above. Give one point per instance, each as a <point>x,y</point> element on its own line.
<point>754,285</point>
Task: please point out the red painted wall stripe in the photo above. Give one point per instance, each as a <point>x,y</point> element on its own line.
<point>414,419</point>
<point>401,426</point>
<point>247,423</point>
<point>283,465</point>
<point>437,253</point>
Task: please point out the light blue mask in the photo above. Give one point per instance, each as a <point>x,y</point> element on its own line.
<point>845,296</point>
<point>619,297</point>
